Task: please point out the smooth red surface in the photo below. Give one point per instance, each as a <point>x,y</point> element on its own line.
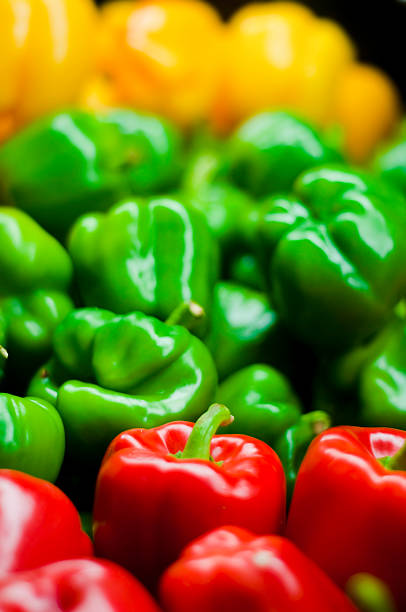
<point>80,585</point>
<point>38,524</point>
<point>348,512</point>
<point>149,504</point>
<point>232,570</point>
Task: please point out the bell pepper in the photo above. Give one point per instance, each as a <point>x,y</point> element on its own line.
<point>389,161</point>
<point>129,371</point>
<point>85,162</point>
<point>38,524</point>
<point>179,481</point>
<point>292,444</point>
<point>245,270</point>
<point>262,402</point>
<point>32,437</point>
<point>79,585</point>
<point>336,257</point>
<point>370,379</point>
<point>163,56</point>
<point>269,151</point>
<point>281,55</point>
<point>148,256</point>
<point>35,273</point>
<point>244,329</point>
<point>233,570</point>
<point>46,51</point>
<point>348,506</point>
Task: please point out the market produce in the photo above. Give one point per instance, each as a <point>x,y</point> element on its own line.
<point>47,53</point>
<point>244,329</point>
<point>233,570</point>
<point>261,401</point>
<point>80,585</point>
<point>158,489</point>
<point>35,276</point>
<point>144,255</point>
<point>86,162</point>
<point>337,249</point>
<point>110,373</point>
<point>32,437</point>
<point>38,524</point>
<point>348,506</point>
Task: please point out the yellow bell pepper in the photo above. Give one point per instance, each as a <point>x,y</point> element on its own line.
<point>162,55</point>
<point>281,55</point>
<point>46,52</point>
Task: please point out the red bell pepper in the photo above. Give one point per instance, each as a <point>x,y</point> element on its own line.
<point>348,510</point>
<point>38,524</point>
<point>233,570</point>
<point>79,585</point>
<point>160,488</point>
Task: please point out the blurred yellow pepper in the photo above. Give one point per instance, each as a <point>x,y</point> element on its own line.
<point>281,55</point>
<point>163,55</point>
<point>46,52</point>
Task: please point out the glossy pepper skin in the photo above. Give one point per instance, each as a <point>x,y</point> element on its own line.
<point>390,161</point>
<point>47,51</point>
<point>371,378</point>
<point>269,151</point>
<point>79,585</point>
<point>86,162</point>
<point>35,274</point>
<point>231,569</point>
<point>261,400</point>
<point>117,372</point>
<point>123,261</point>
<point>162,481</point>
<point>163,56</point>
<point>348,509</point>
<point>282,55</point>
<point>292,444</point>
<point>244,328</point>
<point>38,524</point>
<point>338,251</point>
<point>32,437</point>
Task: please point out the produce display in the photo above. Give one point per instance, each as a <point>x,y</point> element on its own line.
<point>202,312</point>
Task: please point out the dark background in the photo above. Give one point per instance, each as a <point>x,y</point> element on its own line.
<point>378,27</point>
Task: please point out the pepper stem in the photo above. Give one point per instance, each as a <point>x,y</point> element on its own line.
<point>370,594</point>
<point>199,441</point>
<point>187,314</point>
<point>396,461</point>
<point>3,352</point>
<point>317,421</point>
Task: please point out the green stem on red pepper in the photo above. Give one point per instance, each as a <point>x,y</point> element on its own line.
<point>199,441</point>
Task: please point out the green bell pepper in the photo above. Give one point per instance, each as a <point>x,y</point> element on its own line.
<point>262,402</point>
<point>131,371</point>
<point>336,253</point>
<point>35,274</point>
<point>269,150</point>
<point>390,160</point>
<point>71,163</point>
<point>244,329</point>
<point>293,443</point>
<point>145,255</point>
<point>32,437</point>
<point>371,379</point>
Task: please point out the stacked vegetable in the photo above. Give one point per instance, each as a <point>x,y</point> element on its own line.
<point>157,285</point>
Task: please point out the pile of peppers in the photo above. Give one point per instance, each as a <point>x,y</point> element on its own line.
<point>202,325</point>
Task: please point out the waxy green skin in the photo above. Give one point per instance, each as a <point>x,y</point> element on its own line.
<point>244,329</point>
<point>269,150</point>
<point>292,444</point>
<point>390,161</point>
<point>85,162</point>
<point>145,255</point>
<point>261,400</point>
<point>35,275</point>
<point>372,379</point>
<point>336,256</point>
<point>32,437</point>
<point>137,372</point>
